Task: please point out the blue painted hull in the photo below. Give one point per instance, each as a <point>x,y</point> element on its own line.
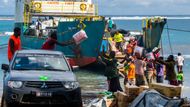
<point>88,48</point>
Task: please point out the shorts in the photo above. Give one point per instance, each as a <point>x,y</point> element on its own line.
<point>131,81</point>
<point>140,80</point>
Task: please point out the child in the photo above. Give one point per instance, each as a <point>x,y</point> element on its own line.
<point>180,78</point>
<point>131,73</point>
<point>126,68</point>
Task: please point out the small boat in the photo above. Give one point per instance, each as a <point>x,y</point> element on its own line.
<point>37,18</point>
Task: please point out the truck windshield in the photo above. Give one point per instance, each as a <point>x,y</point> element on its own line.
<point>40,63</point>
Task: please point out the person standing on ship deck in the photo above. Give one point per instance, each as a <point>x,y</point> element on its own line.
<point>51,42</point>
<point>39,27</point>
<point>14,43</point>
<point>110,24</point>
<point>118,38</point>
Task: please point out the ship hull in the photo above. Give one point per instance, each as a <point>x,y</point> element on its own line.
<point>78,55</point>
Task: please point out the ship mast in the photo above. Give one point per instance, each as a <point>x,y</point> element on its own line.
<point>28,5</point>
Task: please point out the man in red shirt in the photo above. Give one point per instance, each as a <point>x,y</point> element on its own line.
<point>14,43</point>
<point>51,42</point>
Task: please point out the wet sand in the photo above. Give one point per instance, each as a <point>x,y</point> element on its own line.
<point>91,80</point>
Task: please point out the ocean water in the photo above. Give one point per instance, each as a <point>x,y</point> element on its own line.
<point>6,25</point>
<point>94,81</point>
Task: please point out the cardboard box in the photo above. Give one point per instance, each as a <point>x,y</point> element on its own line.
<point>143,87</point>
<point>167,90</point>
<point>122,104</point>
<point>121,96</point>
<point>132,90</point>
<point>123,100</point>
<point>111,103</point>
<point>185,105</point>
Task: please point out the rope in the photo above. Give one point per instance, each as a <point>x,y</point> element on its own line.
<point>181,30</point>
<point>161,43</point>
<point>70,30</point>
<point>169,39</point>
<point>80,26</point>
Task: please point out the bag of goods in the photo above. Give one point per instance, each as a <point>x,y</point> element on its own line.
<point>80,36</point>
<point>150,56</point>
<point>112,46</point>
<point>138,50</point>
<point>125,45</point>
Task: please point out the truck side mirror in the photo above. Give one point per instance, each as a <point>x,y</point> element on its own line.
<point>5,67</point>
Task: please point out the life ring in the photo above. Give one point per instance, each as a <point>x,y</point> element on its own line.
<point>83,7</point>
<point>38,6</point>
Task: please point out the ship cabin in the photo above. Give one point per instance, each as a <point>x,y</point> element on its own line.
<point>40,17</point>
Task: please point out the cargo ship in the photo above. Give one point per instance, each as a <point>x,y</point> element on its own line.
<point>37,18</point>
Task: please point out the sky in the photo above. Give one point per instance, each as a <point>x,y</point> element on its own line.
<point>125,7</point>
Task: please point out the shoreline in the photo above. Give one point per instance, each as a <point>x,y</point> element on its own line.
<point>6,18</point>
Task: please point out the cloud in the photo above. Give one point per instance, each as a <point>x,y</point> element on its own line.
<point>136,7</point>
<point>5,8</point>
<point>126,7</point>
<point>5,1</point>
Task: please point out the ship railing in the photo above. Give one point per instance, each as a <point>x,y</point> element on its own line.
<point>40,33</point>
<point>64,15</point>
<point>135,32</point>
<point>43,33</point>
<point>70,17</point>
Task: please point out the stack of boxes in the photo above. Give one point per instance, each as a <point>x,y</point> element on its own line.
<point>132,92</point>
<point>167,90</point>
<point>124,99</point>
<point>111,103</point>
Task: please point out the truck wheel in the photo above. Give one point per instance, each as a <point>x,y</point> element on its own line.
<point>76,105</point>
<point>4,103</point>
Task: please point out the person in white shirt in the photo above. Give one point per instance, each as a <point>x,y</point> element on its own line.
<point>180,62</point>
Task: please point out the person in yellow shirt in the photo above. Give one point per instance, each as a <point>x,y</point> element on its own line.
<point>118,39</point>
